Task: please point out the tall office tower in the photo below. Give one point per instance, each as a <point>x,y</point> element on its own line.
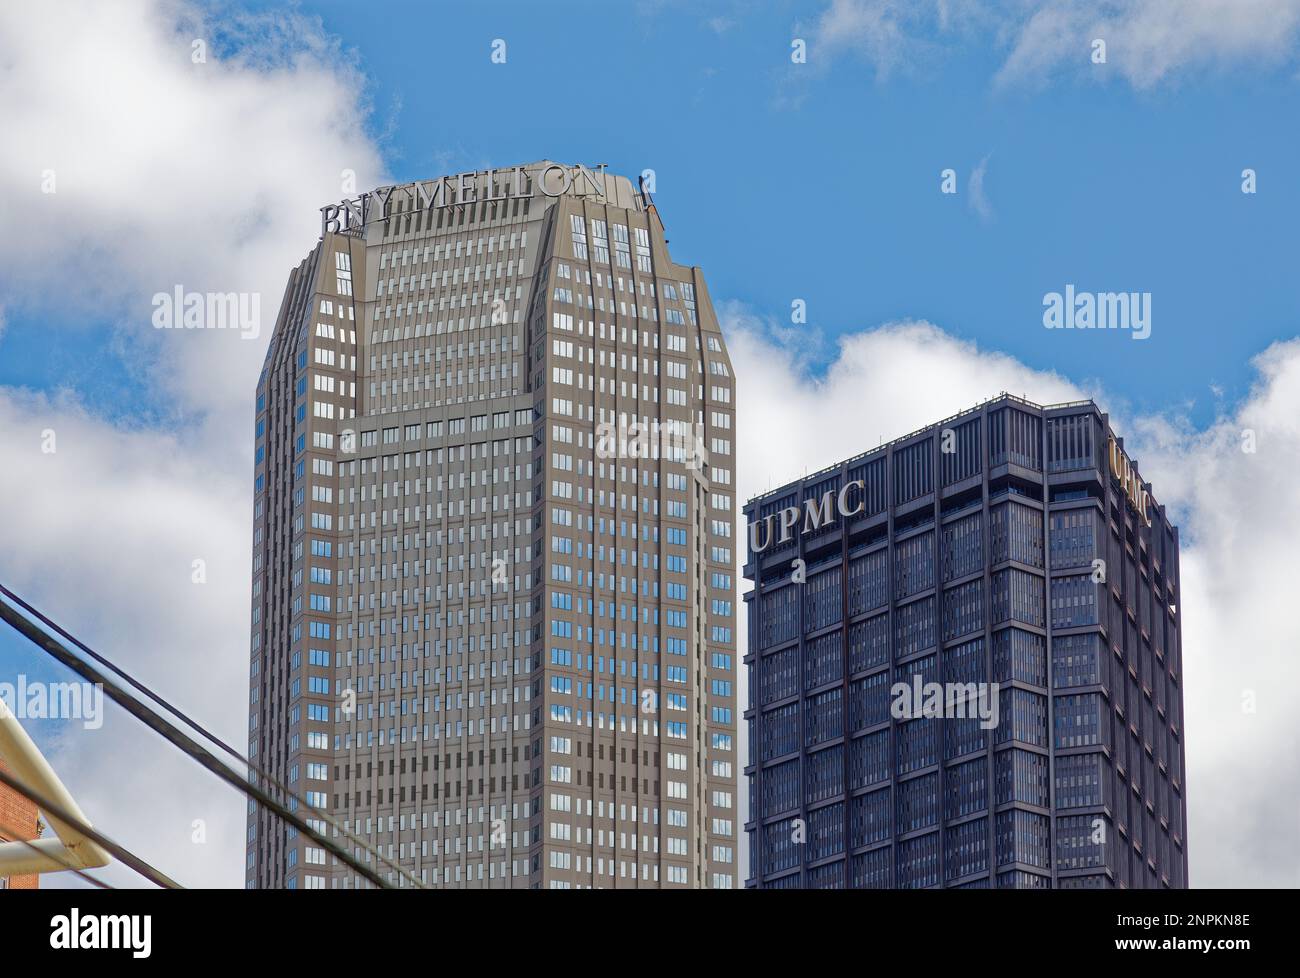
<point>493,609</point>
<point>965,664</point>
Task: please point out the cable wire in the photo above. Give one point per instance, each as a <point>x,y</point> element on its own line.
<point>61,814</point>
<point>181,740</point>
<point>194,725</point>
<point>56,856</point>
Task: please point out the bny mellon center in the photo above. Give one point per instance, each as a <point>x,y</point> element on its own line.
<point>493,624</point>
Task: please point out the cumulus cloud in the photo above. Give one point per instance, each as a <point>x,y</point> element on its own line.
<point>1238,512</point>
<point>134,166</point>
<point>134,169</point>
<point>138,542</point>
<point>882,384</point>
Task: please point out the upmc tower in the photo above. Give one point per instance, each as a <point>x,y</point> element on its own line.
<point>493,620</point>
<point>965,664</point>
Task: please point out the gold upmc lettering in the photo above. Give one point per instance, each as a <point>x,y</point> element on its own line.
<point>1122,469</point>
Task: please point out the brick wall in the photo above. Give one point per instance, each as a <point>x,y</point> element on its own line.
<point>18,819</point>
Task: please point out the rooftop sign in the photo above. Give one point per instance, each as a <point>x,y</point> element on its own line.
<point>477,186</point>
<point>816,513</point>
<point>1122,469</point>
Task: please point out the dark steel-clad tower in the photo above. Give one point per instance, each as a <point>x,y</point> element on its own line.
<point>965,664</point>
<point>493,596</point>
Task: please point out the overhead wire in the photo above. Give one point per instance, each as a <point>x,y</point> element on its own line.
<point>57,812</point>
<point>195,725</point>
<point>180,739</point>
<point>57,857</point>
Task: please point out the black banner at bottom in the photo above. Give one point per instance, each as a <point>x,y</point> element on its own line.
<point>139,928</point>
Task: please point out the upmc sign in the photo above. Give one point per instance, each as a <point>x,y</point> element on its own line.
<point>1129,480</point>
<point>815,513</point>
<point>851,500</point>
<point>475,187</point>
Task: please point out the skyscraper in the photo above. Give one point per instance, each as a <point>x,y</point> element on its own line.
<point>965,664</point>
<point>493,620</point>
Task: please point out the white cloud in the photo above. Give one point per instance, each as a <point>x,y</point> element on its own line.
<point>876,31</point>
<point>976,195</point>
<point>166,172</point>
<point>1149,42</point>
<point>1239,518</point>
<point>890,35</point>
<point>111,524</point>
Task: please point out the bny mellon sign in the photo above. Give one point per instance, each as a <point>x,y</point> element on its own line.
<point>478,186</point>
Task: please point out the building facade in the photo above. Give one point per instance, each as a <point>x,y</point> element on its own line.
<point>19,821</point>
<point>965,664</point>
<point>493,603</point>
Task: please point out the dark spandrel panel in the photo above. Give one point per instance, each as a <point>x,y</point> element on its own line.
<point>967,849</point>
<point>869,643</point>
<point>962,548</point>
<point>913,566</point>
<point>823,660</point>
<point>1072,442</point>
<point>868,582</point>
<point>871,818</point>
<point>913,471</point>
<point>824,774</point>
<point>965,790</point>
<point>959,451</point>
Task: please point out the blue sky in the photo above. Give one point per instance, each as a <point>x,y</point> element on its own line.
<point>837,201</point>
<point>821,181</point>
<point>817,182</point>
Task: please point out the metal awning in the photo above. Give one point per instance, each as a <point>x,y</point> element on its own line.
<point>70,849</point>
